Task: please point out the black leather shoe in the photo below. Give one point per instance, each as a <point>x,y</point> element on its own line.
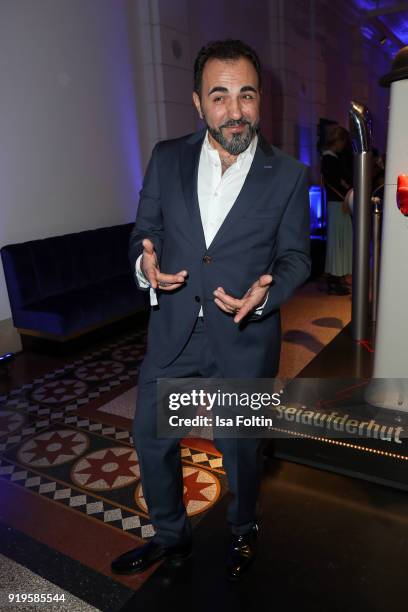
<point>241,554</point>
<point>338,290</point>
<point>139,559</point>
<point>336,287</point>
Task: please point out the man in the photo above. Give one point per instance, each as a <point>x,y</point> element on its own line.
<point>222,239</point>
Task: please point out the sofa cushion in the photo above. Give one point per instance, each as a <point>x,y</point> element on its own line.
<point>74,310</point>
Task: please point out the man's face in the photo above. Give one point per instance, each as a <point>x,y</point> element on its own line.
<point>229,102</point>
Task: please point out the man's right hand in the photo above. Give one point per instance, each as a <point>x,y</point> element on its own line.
<point>151,270</point>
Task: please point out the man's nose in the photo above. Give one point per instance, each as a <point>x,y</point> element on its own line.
<point>234,109</point>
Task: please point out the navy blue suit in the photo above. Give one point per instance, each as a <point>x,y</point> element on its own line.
<point>265,232</point>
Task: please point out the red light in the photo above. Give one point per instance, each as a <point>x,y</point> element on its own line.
<point>402,194</point>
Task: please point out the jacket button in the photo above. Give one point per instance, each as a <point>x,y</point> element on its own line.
<point>197,298</point>
<point>207,258</point>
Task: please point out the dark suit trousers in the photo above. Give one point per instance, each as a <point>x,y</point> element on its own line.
<point>160,461</point>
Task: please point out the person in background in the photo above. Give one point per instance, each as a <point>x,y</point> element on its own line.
<point>378,177</point>
<point>339,245</point>
<point>346,157</point>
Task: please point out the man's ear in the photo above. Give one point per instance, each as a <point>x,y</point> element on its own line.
<point>197,104</point>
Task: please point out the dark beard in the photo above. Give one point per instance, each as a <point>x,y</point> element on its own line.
<point>239,142</point>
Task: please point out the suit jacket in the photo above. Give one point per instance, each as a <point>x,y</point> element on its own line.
<point>266,231</point>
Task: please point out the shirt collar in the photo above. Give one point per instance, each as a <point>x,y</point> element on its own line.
<point>241,157</point>
<point>329,152</point>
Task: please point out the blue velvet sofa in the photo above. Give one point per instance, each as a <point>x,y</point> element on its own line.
<point>64,286</point>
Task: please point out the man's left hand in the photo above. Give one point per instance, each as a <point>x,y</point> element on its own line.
<point>253,298</point>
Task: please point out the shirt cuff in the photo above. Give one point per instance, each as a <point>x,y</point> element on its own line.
<point>143,282</point>
<point>260,308</point>
<point>140,277</point>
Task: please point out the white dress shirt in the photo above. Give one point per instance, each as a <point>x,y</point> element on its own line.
<point>217,193</point>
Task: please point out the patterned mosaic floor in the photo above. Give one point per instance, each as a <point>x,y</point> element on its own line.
<point>57,443</point>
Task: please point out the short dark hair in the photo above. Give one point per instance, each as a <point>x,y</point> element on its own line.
<point>223,50</point>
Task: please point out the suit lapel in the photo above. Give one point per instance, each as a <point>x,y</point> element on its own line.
<point>189,161</point>
<point>264,166</point>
